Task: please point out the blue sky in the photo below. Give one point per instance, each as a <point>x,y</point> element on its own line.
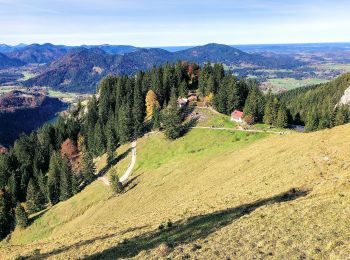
<point>173,22</point>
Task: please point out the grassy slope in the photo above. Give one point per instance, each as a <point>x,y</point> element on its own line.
<point>197,176</point>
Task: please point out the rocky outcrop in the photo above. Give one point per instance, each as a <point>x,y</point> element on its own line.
<point>345,99</point>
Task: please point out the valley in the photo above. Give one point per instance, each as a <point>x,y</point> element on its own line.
<point>23,112</point>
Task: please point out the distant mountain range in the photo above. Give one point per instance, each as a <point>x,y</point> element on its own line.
<point>81,68</point>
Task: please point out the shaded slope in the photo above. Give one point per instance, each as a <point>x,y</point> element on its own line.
<point>6,61</point>
<point>79,70</point>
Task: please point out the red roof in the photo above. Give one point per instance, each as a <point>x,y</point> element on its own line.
<point>237,113</point>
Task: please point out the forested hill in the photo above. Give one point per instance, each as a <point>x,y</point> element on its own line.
<point>80,70</point>
<point>36,53</point>
<point>6,61</point>
<point>318,106</point>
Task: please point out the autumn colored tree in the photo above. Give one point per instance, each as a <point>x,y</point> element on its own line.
<point>69,149</point>
<point>151,101</point>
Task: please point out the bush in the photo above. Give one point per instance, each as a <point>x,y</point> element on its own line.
<point>116,185</point>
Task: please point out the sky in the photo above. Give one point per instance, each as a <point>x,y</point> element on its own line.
<point>151,23</point>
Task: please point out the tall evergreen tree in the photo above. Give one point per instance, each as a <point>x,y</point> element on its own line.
<point>66,180</point>
<point>88,168</point>
<point>124,123</point>
<point>254,105</point>
<point>156,117</point>
<point>53,178</point>
<point>171,119</point>
<point>35,200</point>
<point>99,138</point>
<point>282,117</point>
<point>21,216</point>
<point>138,110</point>
<point>311,121</point>
<point>6,214</point>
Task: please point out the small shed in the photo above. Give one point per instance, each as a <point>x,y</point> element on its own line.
<point>237,116</point>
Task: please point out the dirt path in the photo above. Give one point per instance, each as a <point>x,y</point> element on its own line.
<point>128,171</point>
<point>236,129</point>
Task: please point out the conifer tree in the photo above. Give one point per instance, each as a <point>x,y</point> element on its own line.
<point>35,200</point>
<point>269,110</point>
<point>88,168</point>
<point>156,117</point>
<point>53,178</point>
<point>116,185</point>
<point>15,186</point>
<point>21,216</point>
<point>171,119</point>
<point>6,215</point>
<point>99,138</point>
<point>254,105</point>
<point>311,121</point>
<point>66,180</point>
<point>124,123</point>
<point>183,89</point>
<point>138,110</point>
<point>282,117</point>
<point>339,117</point>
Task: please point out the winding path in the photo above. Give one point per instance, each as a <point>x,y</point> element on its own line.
<point>241,130</point>
<point>128,171</point>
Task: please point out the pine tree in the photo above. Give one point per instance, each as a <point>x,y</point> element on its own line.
<point>66,180</point>
<point>116,185</point>
<point>88,168</point>
<point>14,185</point>
<point>53,178</point>
<point>269,110</point>
<point>254,105</point>
<point>171,119</point>
<point>282,117</point>
<point>6,215</point>
<point>156,117</point>
<point>183,89</point>
<point>138,110</point>
<point>99,139</point>
<point>339,117</point>
<point>124,123</point>
<point>35,200</point>
<point>111,140</point>
<point>21,216</point>
<point>311,121</point>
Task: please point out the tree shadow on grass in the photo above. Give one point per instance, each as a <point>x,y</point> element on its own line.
<point>120,157</point>
<point>36,254</point>
<point>187,231</point>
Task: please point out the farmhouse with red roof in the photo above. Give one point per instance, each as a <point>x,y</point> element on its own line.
<point>237,116</point>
